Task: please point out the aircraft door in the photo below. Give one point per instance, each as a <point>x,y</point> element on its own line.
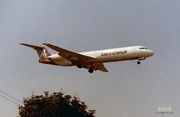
<point>137,52</point>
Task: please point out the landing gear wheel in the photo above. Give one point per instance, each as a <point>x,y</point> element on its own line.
<point>79,65</point>
<point>90,70</point>
<point>138,62</point>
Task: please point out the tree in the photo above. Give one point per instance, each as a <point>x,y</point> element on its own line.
<point>54,105</point>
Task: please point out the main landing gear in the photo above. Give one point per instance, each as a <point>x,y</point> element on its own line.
<point>90,70</point>
<point>80,66</point>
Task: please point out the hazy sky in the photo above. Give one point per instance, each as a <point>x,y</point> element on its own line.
<point>128,89</point>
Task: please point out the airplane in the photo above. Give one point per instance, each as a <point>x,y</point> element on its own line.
<point>91,60</point>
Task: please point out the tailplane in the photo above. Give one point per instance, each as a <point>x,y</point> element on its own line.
<point>42,52</point>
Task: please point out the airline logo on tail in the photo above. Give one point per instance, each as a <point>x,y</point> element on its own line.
<point>44,54</point>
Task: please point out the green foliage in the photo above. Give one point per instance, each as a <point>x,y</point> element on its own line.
<point>54,105</point>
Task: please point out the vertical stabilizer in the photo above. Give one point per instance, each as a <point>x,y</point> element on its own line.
<point>42,52</point>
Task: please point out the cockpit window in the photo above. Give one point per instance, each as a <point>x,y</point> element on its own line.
<point>142,48</point>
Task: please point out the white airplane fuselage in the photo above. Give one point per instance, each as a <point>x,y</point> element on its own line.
<point>91,60</point>
<point>108,55</point>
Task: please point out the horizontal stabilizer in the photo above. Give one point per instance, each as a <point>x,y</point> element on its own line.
<point>32,46</point>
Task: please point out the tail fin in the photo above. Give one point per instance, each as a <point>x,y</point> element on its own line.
<point>42,52</point>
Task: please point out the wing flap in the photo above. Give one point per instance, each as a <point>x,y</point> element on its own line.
<point>100,66</point>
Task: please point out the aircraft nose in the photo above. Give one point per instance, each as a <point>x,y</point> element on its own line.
<point>151,53</point>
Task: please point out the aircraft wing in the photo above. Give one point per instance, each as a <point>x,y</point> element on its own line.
<point>100,66</point>
<point>76,57</point>
<point>69,55</point>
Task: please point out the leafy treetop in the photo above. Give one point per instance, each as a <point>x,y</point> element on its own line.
<point>56,104</point>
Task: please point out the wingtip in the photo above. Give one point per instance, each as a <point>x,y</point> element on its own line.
<point>21,43</point>
<point>45,44</point>
<point>24,44</point>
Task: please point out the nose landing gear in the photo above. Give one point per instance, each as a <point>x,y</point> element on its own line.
<point>138,62</point>
<point>139,59</point>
